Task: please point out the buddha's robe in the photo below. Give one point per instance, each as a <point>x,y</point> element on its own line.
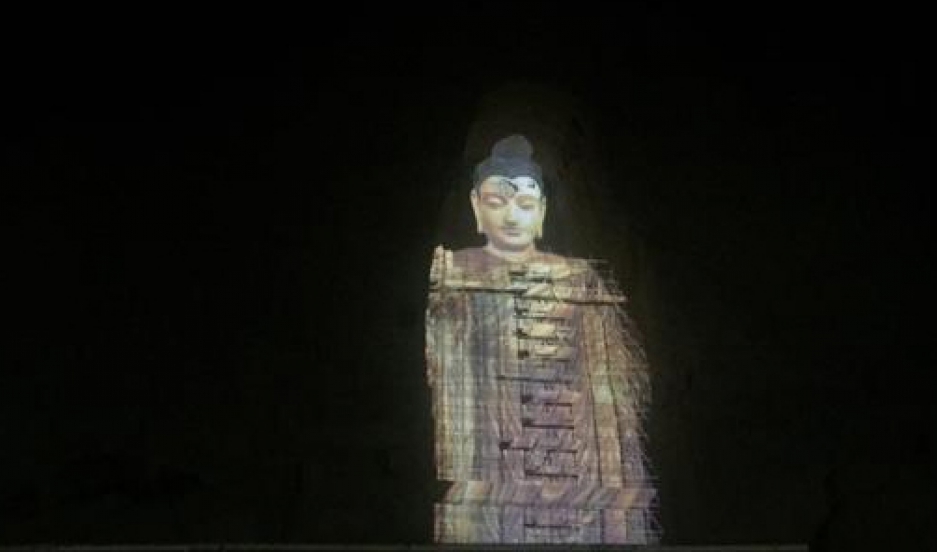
<point>538,393</point>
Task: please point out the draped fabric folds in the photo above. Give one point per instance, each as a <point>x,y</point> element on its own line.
<point>539,392</point>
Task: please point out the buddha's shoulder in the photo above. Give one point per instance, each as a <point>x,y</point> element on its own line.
<point>552,259</point>
<point>470,256</point>
<point>477,258</point>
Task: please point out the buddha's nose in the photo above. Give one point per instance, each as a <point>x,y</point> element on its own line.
<point>510,216</point>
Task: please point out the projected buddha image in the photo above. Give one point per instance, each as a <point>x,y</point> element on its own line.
<point>539,385</point>
<point>509,207</point>
<point>510,212</point>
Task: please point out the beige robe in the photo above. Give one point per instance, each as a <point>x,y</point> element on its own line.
<point>538,392</point>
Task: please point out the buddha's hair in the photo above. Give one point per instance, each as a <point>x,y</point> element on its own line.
<point>510,157</point>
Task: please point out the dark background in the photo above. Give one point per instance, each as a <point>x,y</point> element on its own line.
<point>218,238</point>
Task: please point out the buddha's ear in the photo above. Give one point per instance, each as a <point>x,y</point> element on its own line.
<point>473,198</point>
<point>543,215</point>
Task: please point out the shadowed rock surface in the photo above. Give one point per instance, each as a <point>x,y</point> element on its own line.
<point>218,256</point>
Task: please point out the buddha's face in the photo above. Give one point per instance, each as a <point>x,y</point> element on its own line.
<point>509,211</point>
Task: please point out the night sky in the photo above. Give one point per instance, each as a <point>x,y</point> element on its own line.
<point>217,244</point>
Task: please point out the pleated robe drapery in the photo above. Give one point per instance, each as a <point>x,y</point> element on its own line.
<point>538,392</point>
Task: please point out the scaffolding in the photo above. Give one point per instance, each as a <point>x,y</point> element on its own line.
<point>540,390</point>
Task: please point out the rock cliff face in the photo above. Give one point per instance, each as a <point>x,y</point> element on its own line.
<point>565,147</point>
<point>583,217</point>
<point>739,435</point>
<point>218,256</point>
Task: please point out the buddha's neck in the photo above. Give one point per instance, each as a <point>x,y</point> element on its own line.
<point>512,256</point>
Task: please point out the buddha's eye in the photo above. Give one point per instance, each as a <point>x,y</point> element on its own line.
<point>494,202</point>
<point>527,205</point>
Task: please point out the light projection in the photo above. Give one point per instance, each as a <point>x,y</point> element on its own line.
<point>539,384</point>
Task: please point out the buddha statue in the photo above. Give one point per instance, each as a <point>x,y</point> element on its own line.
<point>539,384</point>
